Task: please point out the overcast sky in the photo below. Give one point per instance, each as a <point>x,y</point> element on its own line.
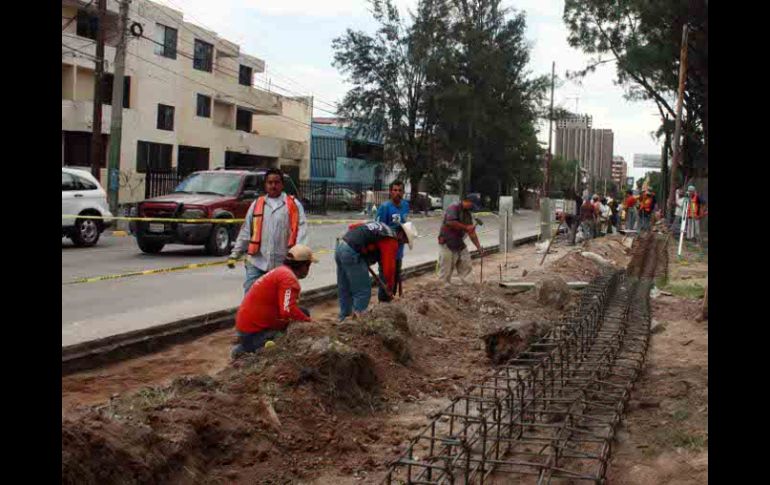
<point>294,39</point>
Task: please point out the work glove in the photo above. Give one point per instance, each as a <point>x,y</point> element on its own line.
<point>231,263</point>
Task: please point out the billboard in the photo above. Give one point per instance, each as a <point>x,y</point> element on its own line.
<point>643,160</point>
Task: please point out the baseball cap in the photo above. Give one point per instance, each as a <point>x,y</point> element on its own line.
<point>300,252</point>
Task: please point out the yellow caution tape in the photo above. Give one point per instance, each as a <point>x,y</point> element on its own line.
<point>201,221</point>
<point>95,279</point>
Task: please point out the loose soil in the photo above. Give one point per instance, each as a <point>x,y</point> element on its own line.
<point>664,437</point>
<point>330,403</point>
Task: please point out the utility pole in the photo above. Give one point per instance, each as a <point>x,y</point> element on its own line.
<point>96,127</point>
<point>548,155</point>
<point>116,121</point>
<point>664,167</point>
<point>675,162</point>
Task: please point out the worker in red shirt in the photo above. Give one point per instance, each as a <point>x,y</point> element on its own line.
<point>362,246</point>
<point>271,302</point>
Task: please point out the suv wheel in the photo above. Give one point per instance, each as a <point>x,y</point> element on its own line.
<point>86,232</point>
<point>149,247</point>
<point>220,240</point>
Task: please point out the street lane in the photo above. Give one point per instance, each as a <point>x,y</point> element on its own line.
<point>99,309</point>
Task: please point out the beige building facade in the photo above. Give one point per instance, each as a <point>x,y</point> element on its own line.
<point>576,139</point>
<point>190,103</point>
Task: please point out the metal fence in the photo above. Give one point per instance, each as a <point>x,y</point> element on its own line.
<point>160,183</point>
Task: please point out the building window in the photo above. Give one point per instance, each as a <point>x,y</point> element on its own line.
<point>77,149</point>
<point>165,117</point>
<point>204,54</point>
<point>204,106</point>
<point>165,41</point>
<point>87,24</point>
<point>155,157</point>
<point>191,159</point>
<point>243,120</point>
<point>107,81</point>
<point>245,75</point>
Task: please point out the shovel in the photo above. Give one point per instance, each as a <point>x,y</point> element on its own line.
<point>380,282</point>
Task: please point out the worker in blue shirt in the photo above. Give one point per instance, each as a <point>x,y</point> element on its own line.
<point>394,213</point>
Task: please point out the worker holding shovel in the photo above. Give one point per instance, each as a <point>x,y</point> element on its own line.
<point>453,253</point>
<point>362,246</point>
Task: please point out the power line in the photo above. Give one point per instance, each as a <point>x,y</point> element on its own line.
<point>319,99</point>
<point>243,102</point>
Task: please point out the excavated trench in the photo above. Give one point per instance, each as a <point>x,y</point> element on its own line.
<point>550,414</point>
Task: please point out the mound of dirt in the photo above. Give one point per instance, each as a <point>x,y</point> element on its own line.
<point>552,291</point>
<point>504,343</point>
<point>391,324</point>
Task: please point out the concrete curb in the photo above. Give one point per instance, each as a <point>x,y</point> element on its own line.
<point>115,348</point>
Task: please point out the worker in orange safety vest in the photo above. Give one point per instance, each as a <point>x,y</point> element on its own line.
<point>274,223</point>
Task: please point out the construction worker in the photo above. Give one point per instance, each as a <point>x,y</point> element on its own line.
<point>271,302</point>
<point>393,212</point>
<point>369,202</point>
<point>587,219</point>
<point>629,204</point>
<point>274,223</point>
<point>646,206</point>
<point>695,211</point>
<point>453,253</point>
<point>362,246</point>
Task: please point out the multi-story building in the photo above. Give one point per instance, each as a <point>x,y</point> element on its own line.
<point>189,101</point>
<point>619,170</point>
<point>577,140</point>
<point>337,155</point>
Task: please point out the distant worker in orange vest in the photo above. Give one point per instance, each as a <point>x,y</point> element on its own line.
<point>274,223</point>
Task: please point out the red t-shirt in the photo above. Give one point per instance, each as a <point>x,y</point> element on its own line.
<point>271,303</point>
<point>630,201</point>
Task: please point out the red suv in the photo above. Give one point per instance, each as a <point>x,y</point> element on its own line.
<point>210,194</point>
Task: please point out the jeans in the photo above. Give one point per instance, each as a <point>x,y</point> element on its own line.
<point>631,218</point>
<point>369,206</point>
<point>354,288</point>
<point>252,274</point>
<point>255,341</point>
<point>381,295</point>
<point>644,218</point>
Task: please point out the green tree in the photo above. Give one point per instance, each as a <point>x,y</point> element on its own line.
<point>393,95</point>
<point>643,38</point>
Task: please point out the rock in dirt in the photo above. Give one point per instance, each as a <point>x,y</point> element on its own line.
<point>507,341</point>
<point>596,258</point>
<point>657,327</point>
<point>552,291</point>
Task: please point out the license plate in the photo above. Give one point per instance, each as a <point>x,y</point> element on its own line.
<point>157,227</point>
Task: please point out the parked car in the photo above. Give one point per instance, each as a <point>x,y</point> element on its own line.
<point>435,202</point>
<point>340,198</point>
<point>208,194</point>
<point>82,195</point>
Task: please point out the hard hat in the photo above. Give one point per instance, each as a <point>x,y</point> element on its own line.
<point>411,233</point>
<point>691,188</point>
<point>300,252</point>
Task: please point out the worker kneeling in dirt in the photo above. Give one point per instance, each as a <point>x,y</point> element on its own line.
<point>453,253</point>
<point>271,302</point>
<point>362,246</point>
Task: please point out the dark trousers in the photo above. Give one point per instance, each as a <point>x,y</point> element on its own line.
<point>381,295</point>
<point>255,341</point>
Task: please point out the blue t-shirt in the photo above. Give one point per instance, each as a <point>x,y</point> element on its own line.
<point>393,216</point>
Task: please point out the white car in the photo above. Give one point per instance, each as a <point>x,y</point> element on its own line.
<point>81,194</point>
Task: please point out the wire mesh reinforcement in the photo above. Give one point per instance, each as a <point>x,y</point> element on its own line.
<point>549,415</point>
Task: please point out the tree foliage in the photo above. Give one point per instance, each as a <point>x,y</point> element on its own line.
<point>643,39</point>
<point>448,86</point>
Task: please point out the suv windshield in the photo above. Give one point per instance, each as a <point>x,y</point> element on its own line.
<point>210,183</point>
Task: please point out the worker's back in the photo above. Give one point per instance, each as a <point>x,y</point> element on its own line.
<point>260,307</point>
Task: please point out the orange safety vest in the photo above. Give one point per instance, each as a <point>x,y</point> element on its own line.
<point>256,223</point>
<point>693,210</point>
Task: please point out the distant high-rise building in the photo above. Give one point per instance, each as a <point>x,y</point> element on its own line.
<point>577,140</point>
<point>619,170</point>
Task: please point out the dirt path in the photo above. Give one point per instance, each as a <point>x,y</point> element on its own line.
<point>664,439</point>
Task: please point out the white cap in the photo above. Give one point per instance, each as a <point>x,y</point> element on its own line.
<point>411,233</point>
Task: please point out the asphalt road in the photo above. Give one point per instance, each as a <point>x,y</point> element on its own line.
<point>99,309</point>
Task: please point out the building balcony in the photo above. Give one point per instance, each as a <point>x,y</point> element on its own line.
<point>78,116</point>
